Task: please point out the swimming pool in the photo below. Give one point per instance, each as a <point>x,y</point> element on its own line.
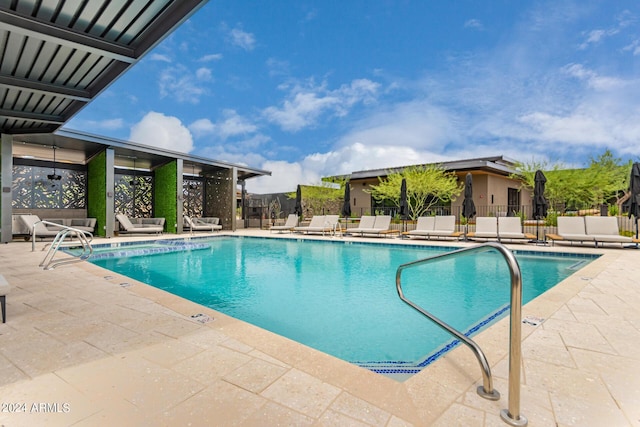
<point>339,297</point>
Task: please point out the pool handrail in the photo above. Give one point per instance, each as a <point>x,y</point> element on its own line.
<point>84,241</point>
<point>511,415</point>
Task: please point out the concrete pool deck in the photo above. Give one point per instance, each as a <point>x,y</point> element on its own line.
<point>83,346</point>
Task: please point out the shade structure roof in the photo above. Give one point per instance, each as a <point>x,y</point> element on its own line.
<point>57,56</point>
<point>79,147</point>
<point>498,165</point>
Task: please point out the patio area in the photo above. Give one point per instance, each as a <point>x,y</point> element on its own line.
<point>83,346</point>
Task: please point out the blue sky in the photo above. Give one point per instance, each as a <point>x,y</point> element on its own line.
<point>307,89</point>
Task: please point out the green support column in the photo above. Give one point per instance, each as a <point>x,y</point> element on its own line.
<point>100,191</point>
<point>165,194</point>
<point>6,181</point>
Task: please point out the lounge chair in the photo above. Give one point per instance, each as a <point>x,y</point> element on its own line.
<point>510,228</point>
<point>435,226</point>
<point>378,227</point>
<point>486,228</point>
<point>320,224</point>
<point>424,227</point>
<point>154,225</point>
<point>571,229</point>
<point>289,225</point>
<point>37,229</point>
<point>604,229</point>
<point>202,224</point>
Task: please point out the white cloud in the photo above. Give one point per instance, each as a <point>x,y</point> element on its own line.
<point>474,23</point>
<point>593,79</point>
<point>159,57</point>
<point>633,47</point>
<point>203,74</point>
<point>232,124</point>
<point>305,104</point>
<point>157,130</point>
<point>242,39</point>
<point>211,57</point>
<point>184,85</point>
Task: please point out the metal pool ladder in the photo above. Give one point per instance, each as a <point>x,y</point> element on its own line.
<point>511,415</point>
<point>84,241</point>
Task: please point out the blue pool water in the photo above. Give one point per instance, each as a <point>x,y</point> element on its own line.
<point>340,297</point>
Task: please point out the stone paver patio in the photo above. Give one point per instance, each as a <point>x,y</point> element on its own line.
<point>84,347</point>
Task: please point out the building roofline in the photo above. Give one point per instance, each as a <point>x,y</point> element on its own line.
<point>497,164</point>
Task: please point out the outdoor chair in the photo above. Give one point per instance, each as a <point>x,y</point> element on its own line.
<point>154,225</point>
<point>486,228</point>
<point>289,225</point>
<point>605,229</point>
<point>36,228</point>
<point>571,229</point>
<point>202,224</point>
<point>376,226</point>
<point>510,228</point>
<point>435,226</point>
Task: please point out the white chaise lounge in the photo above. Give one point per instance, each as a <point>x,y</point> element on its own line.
<point>320,224</point>
<point>378,225</point>
<point>439,226</point>
<point>145,226</point>
<point>202,224</point>
<point>486,228</point>
<point>289,225</point>
<point>605,229</point>
<point>510,228</point>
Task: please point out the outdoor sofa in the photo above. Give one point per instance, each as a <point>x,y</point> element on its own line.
<point>499,228</point>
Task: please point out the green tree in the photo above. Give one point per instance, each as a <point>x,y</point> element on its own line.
<point>426,186</point>
<point>604,180</point>
<point>610,178</point>
<point>318,198</point>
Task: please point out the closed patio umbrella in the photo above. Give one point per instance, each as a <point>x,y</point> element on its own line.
<point>298,208</point>
<point>404,205</point>
<point>540,204</point>
<point>468,207</point>
<point>346,205</point>
<point>633,203</point>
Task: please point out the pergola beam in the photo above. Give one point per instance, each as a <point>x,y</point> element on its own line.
<point>45,88</point>
<point>20,24</point>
